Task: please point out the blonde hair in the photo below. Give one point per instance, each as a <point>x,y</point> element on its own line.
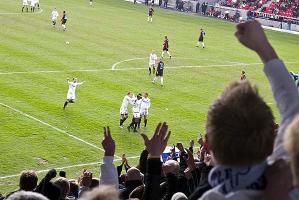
<point>102,193</point>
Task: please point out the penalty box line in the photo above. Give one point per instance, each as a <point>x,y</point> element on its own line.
<point>53,127</point>
<point>66,167</point>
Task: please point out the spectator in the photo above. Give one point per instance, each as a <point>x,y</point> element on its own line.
<point>26,195</point>
<point>64,187</point>
<point>248,120</point>
<point>47,188</point>
<point>133,180</point>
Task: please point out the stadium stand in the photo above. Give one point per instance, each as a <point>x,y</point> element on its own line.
<point>231,161</point>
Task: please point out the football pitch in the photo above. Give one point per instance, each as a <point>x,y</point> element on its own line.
<point>108,48</point>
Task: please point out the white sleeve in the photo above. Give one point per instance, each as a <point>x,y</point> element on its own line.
<point>108,172</point>
<point>287,99</point>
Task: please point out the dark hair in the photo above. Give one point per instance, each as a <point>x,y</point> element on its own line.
<point>28,180</point>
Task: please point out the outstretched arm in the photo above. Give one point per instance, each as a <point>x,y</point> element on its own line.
<point>251,35</point>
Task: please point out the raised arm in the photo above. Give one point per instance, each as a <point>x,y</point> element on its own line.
<point>251,35</point>
<point>108,172</point>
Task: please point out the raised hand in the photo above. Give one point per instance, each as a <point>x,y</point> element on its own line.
<point>108,142</point>
<point>180,147</point>
<point>190,160</point>
<point>251,35</point>
<point>156,145</point>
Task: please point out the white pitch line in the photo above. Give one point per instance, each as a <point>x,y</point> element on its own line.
<point>66,167</point>
<point>124,69</point>
<point>20,13</point>
<point>127,60</point>
<point>53,127</point>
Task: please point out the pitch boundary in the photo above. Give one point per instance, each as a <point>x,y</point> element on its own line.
<point>66,167</point>
<point>53,127</point>
<point>20,13</point>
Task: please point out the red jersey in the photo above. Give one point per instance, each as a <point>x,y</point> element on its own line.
<point>165,44</point>
<point>243,77</point>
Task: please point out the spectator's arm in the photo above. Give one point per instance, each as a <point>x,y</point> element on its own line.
<point>285,93</point>
<point>108,172</point>
<point>155,147</point>
<point>171,186</point>
<point>142,161</point>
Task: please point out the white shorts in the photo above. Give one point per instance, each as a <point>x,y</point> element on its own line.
<point>136,114</point>
<point>123,111</point>
<point>25,3</point>
<point>151,64</point>
<point>70,96</point>
<point>32,3</point>
<point>144,112</point>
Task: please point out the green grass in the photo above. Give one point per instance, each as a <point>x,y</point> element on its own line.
<point>100,36</point>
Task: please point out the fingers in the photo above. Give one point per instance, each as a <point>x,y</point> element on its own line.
<point>145,138</point>
<point>158,129</point>
<point>167,137</point>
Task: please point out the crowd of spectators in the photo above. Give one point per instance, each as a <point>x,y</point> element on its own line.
<point>243,154</point>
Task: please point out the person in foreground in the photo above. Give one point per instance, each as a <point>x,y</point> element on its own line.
<point>241,120</point>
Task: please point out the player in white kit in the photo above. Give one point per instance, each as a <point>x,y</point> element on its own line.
<point>128,99</point>
<point>54,17</point>
<point>71,94</point>
<point>136,113</point>
<point>32,4</point>
<point>152,62</point>
<point>145,105</point>
<point>25,5</point>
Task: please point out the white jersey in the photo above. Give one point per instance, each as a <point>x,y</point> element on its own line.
<point>33,2</point>
<point>152,59</point>
<point>145,105</point>
<point>54,15</point>
<point>25,2</point>
<point>71,94</point>
<point>124,106</point>
<point>136,108</point>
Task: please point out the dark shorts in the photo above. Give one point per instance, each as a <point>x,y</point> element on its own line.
<point>64,21</point>
<point>150,14</point>
<point>165,49</point>
<point>159,73</point>
<point>200,39</point>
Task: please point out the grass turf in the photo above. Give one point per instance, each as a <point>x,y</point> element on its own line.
<point>99,36</point>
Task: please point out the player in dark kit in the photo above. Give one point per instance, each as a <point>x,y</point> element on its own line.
<point>243,76</point>
<point>150,14</point>
<point>63,21</point>
<point>159,72</point>
<point>201,38</point>
<point>165,47</point>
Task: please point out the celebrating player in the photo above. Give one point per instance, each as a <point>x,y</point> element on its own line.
<point>243,76</point>
<point>136,113</point>
<point>152,62</point>
<point>25,4</point>
<point>150,14</point>
<point>71,94</point>
<point>200,39</point>
<point>32,4</point>
<point>145,105</point>
<point>128,99</point>
<point>54,17</point>
<point>63,21</point>
<point>165,47</point>
<point>159,72</point>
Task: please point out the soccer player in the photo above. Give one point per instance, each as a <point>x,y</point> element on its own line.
<point>54,17</point>
<point>25,4</point>
<point>128,99</point>
<point>201,38</point>
<point>32,4</point>
<point>159,72</point>
<point>63,21</point>
<point>145,105</point>
<point>150,14</point>
<point>71,94</point>
<point>136,113</point>
<point>165,47</point>
<point>37,3</point>
<point>152,62</point>
<point>243,76</point>
<point>90,2</point>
